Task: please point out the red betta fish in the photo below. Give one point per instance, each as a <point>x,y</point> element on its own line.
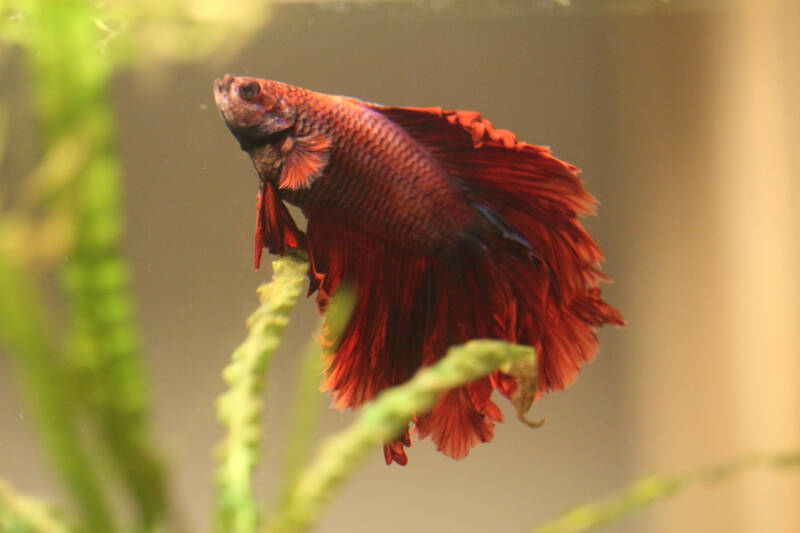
<point>449,229</point>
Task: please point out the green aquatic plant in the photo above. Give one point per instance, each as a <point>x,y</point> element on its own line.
<point>21,514</point>
<point>651,489</point>
<point>83,368</point>
<point>383,420</point>
<point>25,332</point>
<point>305,412</point>
<point>68,217</point>
<point>240,407</point>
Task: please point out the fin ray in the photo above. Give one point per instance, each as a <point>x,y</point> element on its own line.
<point>304,160</point>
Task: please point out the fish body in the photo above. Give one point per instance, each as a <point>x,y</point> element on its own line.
<point>382,178</point>
<point>450,230</point>
<point>374,172</point>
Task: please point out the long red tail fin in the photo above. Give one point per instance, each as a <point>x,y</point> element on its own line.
<point>409,309</point>
<point>541,197</point>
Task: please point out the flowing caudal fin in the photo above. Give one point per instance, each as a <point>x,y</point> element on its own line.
<point>382,343</point>
<point>541,197</point>
<point>409,309</point>
<point>461,419</point>
<point>275,227</point>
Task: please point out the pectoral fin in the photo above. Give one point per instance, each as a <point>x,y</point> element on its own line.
<point>304,160</point>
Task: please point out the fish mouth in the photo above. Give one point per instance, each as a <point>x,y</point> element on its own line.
<point>222,95</point>
<point>223,85</point>
<point>222,90</point>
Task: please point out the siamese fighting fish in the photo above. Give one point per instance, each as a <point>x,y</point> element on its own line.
<point>447,228</point>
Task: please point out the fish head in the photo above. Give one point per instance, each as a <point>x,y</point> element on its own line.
<point>255,110</point>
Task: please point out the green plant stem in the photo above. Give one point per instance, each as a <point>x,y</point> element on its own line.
<point>23,330</point>
<point>651,489</point>
<point>240,407</point>
<point>383,420</point>
<point>21,514</point>
<point>305,413</point>
<point>306,399</point>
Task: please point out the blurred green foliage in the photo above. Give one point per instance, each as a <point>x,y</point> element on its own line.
<point>83,368</point>
<point>20,514</point>
<point>25,331</point>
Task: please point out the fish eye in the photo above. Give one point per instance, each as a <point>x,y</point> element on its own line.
<point>248,91</point>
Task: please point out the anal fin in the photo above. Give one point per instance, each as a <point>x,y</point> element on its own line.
<point>275,228</point>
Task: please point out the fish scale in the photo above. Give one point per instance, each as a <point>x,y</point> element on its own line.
<point>374,181</point>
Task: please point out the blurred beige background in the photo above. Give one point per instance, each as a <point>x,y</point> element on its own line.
<point>687,126</point>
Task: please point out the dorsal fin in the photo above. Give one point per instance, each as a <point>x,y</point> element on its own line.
<point>522,184</point>
<point>304,159</point>
<point>449,128</point>
<point>492,160</point>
